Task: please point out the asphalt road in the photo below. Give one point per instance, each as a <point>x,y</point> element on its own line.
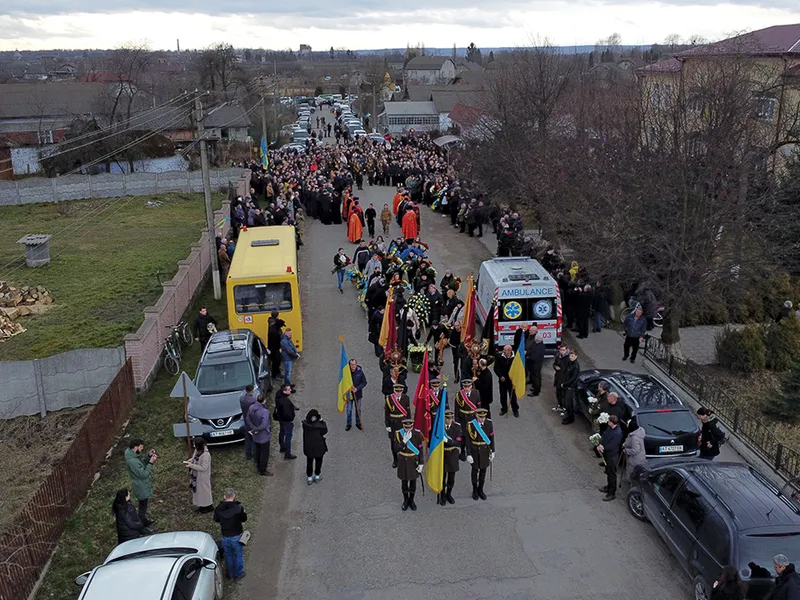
<point>543,533</point>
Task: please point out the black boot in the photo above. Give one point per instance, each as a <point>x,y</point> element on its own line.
<point>449,495</point>
<point>441,499</point>
<point>411,503</point>
<point>481,481</point>
<point>394,463</point>
<point>463,456</point>
<point>405,500</point>
<point>474,492</point>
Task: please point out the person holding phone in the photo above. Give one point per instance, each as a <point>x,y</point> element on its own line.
<point>140,468</point>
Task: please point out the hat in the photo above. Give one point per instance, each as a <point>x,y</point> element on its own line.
<point>481,412</point>
<point>449,414</point>
<point>399,386</point>
<point>466,382</point>
<point>408,421</point>
<point>436,382</point>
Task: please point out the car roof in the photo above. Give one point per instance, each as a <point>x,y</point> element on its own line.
<point>135,579</point>
<point>748,496</point>
<point>645,391</point>
<point>225,345</point>
<point>188,542</point>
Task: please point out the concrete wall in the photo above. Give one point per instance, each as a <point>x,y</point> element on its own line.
<point>67,380</point>
<point>109,185</point>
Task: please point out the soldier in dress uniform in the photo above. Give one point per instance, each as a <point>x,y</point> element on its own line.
<point>408,443</point>
<point>480,442</point>
<point>435,400</point>
<point>467,401</point>
<point>396,408</point>
<point>452,446</point>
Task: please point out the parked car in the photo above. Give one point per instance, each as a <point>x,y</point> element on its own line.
<point>300,135</point>
<point>712,514</point>
<point>231,361</point>
<point>670,426</point>
<point>359,133</point>
<point>182,564</point>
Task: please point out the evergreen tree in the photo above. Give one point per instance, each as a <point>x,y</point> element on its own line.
<point>591,59</point>
<point>785,404</point>
<point>491,56</point>
<point>332,53</point>
<point>474,54</point>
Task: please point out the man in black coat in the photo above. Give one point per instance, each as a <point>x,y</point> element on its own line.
<point>452,447</point>
<point>485,386</point>
<point>201,323</point>
<point>370,216</point>
<point>502,368</point>
<point>284,415</point>
<point>274,334</point>
<point>583,306</point>
<point>787,583</point>
<point>375,324</point>
<point>569,385</point>
<point>610,447</point>
<point>535,360</point>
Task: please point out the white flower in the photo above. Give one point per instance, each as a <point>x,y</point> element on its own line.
<point>592,400</point>
<point>603,418</point>
<point>595,439</point>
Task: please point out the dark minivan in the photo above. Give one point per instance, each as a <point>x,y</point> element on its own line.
<point>670,427</point>
<point>713,514</point>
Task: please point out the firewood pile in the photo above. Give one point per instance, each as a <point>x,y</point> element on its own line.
<point>16,302</point>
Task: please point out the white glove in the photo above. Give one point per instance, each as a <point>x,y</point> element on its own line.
<point>419,468</point>
<point>406,436</point>
<point>470,460</point>
<point>389,429</point>
<point>491,457</point>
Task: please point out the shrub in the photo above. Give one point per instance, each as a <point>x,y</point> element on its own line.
<point>784,404</point>
<point>783,344</point>
<point>742,350</point>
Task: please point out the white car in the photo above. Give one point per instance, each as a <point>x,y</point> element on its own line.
<point>182,564</point>
<point>359,133</point>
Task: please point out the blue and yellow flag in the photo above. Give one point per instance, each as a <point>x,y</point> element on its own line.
<point>434,469</point>
<point>264,153</point>
<point>517,371</point>
<point>345,378</point>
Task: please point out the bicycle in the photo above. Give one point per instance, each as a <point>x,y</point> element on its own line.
<point>172,358</point>
<point>633,304</point>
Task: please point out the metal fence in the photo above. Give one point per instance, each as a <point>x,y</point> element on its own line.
<point>746,425</point>
<point>26,546</point>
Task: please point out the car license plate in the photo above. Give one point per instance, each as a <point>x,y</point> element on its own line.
<point>230,432</point>
<point>663,449</point>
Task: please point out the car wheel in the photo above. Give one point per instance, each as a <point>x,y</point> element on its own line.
<point>701,588</point>
<point>218,580</point>
<point>636,504</point>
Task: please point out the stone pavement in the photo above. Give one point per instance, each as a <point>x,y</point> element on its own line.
<point>543,533</point>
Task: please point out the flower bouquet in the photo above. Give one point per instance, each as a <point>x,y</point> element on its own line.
<point>595,439</point>
<point>416,354</point>
<point>603,418</point>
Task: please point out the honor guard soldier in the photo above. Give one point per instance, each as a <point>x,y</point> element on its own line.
<point>396,408</point>
<point>467,402</point>
<point>435,394</point>
<point>452,446</point>
<point>480,444</point>
<point>408,443</point>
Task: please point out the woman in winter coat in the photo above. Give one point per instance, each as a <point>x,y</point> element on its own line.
<point>129,526</point>
<point>314,444</point>
<point>200,477</point>
<point>711,435</point>
<point>633,448</point>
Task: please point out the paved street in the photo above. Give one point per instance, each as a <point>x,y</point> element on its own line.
<point>543,533</point>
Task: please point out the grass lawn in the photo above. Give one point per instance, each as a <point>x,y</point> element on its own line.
<point>91,533</point>
<point>107,258</point>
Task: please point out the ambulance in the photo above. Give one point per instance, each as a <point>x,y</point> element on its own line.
<point>517,292</point>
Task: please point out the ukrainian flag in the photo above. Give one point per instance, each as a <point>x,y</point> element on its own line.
<point>264,153</point>
<point>434,469</point>
<point>345,378</point>
<point>517,371</point>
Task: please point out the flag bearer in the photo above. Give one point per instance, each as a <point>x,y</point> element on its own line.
<point>480,449</point>
<point>452,446</point>
<point>408,443</point>
<point>467,401</point>
<point>396,408</point>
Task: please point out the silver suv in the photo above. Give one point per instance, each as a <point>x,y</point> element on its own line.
<point>231,361</point>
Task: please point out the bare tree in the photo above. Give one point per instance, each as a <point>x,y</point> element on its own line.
<point>217,69</point>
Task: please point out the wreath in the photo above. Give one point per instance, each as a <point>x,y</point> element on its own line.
<point>420,304</point>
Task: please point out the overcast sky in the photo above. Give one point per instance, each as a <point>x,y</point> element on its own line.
<point>364,24</point>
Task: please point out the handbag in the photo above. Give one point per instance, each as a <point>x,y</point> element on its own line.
<point>245,537</point>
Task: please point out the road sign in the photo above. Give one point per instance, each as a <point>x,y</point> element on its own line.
<point>190,390</point>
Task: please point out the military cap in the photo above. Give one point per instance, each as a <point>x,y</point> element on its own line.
<point>408,421</point>
<point>481,412</point>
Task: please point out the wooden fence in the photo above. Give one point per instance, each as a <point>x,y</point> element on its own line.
<point>26,546</point>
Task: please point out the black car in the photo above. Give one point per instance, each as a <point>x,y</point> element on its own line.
<point>714,514</point>
<point>670,427</point>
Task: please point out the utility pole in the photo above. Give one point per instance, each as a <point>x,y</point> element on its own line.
<point>264,120</point>
<point>201,135</point>
<point>374,110</point>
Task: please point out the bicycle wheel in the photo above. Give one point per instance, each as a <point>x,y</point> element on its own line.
<point>658,320</point>
<point>175,344</point>
<point>186,334</point>
<point>624,314</point>
<point>171,364</point>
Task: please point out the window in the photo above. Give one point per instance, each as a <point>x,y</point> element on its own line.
<point>224,377</point>
<point>262,298</point>
<point>716,539</point>
<point>187,579</point>
<point>660,94</point>
<point>224,133</point>
<point>45,137</point>
<point>256,355</point>
<point>691,508</point>
<point>675,423</point>
<point>764,107</point>
<point>666,484</point>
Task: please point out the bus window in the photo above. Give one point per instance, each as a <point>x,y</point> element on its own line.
<point>262,298</point>
<point>527,309</point>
